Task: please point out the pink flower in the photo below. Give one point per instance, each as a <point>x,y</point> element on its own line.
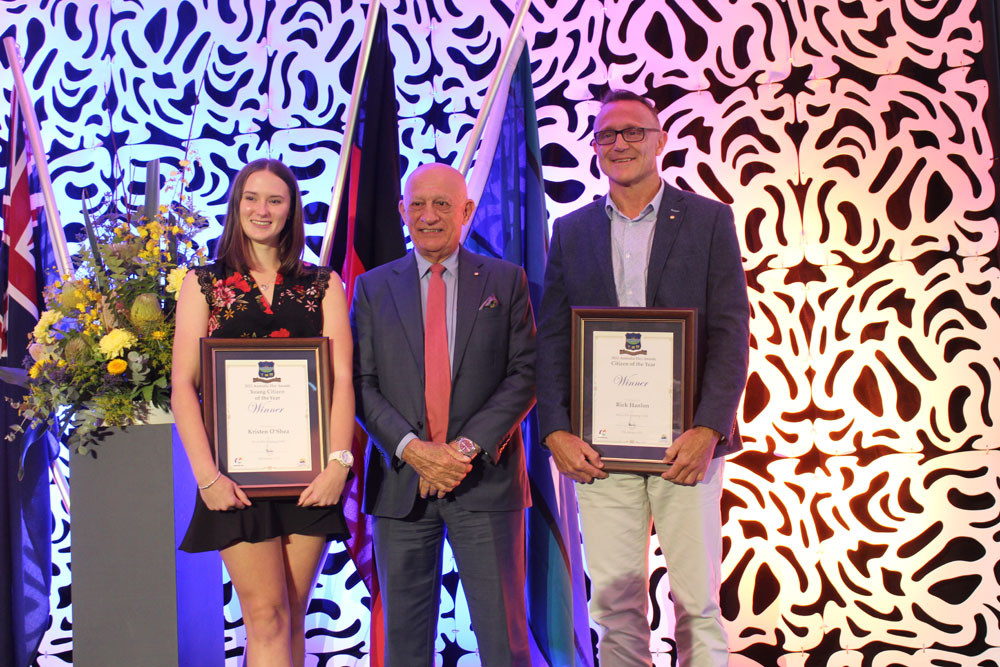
<point>224,296</point>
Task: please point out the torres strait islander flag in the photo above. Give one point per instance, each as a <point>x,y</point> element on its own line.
<point>510,222</point>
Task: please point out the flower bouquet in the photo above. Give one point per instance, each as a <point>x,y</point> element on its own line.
<point>101,351</point>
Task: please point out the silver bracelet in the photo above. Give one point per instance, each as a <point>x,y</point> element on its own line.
<point>212,482</point>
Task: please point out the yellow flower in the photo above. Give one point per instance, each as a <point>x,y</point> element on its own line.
<point>115,342</point>
<point>117,366</point>
<point>73,294</point>
<point>189,219</point>
<point>36,370</point>
<point>184,163</point>
<point>42,331</point>
<point>175,278</point>
<point>158,335</point>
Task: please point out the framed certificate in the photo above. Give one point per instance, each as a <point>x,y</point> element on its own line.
<point>633,383</point>
<point>266,405</point>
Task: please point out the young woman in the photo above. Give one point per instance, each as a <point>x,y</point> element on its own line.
<point>259,286</point>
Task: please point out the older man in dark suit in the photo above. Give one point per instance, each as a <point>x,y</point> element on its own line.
<point>649,245</point>
<point>444,374</point>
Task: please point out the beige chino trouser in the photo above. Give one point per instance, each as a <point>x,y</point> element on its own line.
<point>615,516</point>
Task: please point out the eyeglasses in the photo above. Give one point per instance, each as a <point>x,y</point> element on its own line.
<point>630,134</point>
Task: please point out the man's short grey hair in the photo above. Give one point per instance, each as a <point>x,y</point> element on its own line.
<point>619,95</point>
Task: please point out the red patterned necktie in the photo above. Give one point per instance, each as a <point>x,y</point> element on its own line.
<point>437,366</point>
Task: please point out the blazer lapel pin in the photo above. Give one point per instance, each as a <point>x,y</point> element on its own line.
<point>490,303</point>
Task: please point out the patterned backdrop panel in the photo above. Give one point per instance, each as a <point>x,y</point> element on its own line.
<point>851,140</point>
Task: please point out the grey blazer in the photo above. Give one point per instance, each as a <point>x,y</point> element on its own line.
<point>694,262</point>
<point>493,380</point>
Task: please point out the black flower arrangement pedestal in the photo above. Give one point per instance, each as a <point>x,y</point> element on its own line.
<point>137,600</point>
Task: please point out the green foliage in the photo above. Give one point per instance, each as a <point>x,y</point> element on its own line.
<point>99,362</point>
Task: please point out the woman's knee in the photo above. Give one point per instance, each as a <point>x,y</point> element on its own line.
<point>267,620</point>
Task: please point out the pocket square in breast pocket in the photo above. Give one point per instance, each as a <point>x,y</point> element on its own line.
<point>490,303</point>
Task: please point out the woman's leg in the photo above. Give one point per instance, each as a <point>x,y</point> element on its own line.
<point>303,555</point>
<point>257,571</point>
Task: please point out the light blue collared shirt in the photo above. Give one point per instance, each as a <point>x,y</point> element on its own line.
<point>631,242</point>
<point>450,277</point>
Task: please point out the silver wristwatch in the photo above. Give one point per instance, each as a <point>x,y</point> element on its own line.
<point>467,447</point>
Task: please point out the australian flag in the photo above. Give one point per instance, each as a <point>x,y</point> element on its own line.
<point>25,517</point>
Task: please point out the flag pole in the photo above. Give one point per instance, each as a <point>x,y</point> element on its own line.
<point>491,92</point>
<point>56,235</point>
<point>352,120</point>
<point>476,176</point>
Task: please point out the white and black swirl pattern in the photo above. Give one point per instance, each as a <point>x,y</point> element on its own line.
<point>852,140</point>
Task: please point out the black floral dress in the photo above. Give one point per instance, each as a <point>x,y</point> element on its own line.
<point>238,309</point>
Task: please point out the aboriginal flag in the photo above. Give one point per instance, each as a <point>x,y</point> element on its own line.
<point>370,233</point>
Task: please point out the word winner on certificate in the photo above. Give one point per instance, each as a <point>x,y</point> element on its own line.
<point>267,415</point>
<point>633,376</point>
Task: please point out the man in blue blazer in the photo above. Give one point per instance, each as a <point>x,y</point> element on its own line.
<point>649,245</point>
<point>470,481</point>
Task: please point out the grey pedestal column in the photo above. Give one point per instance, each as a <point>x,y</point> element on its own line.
<point>137,600</point>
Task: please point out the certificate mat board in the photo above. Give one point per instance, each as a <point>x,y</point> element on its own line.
<point>266,405</point>
<point>632,382</point>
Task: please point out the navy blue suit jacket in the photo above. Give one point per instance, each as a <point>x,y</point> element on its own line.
<point>493,380</point>
<point>695,262</point>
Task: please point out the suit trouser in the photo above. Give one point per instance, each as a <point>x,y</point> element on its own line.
<point>489,552</point>
<point>615,516</point>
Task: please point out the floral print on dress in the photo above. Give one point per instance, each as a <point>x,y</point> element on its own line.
<point>309,296</point>
<point>227,298</point>
<point>238,308</point>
